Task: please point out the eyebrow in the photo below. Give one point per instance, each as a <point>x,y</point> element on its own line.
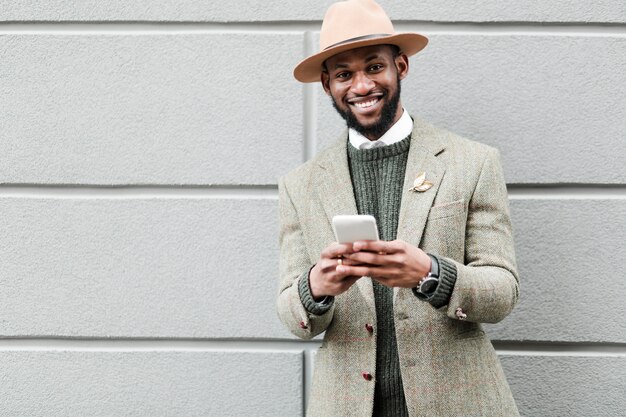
<point>367,59</point>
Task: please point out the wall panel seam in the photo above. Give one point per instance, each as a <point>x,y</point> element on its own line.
<point>309,103</point>
<point>251,191</point>
<point>141,192</point>
<point>156,28</point>
<point>284,345</point>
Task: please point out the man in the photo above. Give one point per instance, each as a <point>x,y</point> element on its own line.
<point>402,315</point>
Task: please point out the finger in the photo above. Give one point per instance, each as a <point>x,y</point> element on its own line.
<point>329,267</point>
<point>370,258</point>
<point>378,246</point>
<point>331,264</point>
<point>335,250</point>
<point>347,261</point>
<point>365,271</point>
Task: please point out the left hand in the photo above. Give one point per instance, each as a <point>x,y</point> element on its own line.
<point>395,263</point>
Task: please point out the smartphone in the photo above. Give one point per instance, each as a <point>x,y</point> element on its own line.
<point>353,227</point>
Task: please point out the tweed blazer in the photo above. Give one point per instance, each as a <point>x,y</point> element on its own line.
<point>448,365</point>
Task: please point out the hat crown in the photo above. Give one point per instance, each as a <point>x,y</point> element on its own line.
<point>355,24</point>
<point>352,19</point>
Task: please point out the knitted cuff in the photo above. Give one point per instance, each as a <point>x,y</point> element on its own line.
<point>312,306</point>
<point>447,279</point>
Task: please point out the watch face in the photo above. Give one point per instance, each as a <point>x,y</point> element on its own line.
<point>429,285</point>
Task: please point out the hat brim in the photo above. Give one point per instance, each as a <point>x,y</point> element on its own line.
<point>309,69</point>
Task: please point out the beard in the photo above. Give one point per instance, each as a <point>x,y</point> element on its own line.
<point>380,126</point>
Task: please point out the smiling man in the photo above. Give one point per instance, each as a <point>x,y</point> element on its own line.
<point>403,314</point>
<point>370,104</point>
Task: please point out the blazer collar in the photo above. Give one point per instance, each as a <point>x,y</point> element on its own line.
<point>424,135</point>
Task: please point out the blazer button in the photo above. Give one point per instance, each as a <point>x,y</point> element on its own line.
<point>369,328</point>
<point>303,325</point>
<point>367,376</point>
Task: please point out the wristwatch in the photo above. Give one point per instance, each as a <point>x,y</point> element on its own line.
<point>427,285</point>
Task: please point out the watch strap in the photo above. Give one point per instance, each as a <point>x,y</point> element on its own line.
<point>434,267</point>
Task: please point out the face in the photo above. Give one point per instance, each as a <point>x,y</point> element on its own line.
<point>364,85</point>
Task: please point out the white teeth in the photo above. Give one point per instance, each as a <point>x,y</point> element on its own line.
<point>365,104</point>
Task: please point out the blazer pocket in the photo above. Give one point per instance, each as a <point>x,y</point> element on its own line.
<point>453,208</point>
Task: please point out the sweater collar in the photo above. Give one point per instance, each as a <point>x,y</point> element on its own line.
<point>424,136</point>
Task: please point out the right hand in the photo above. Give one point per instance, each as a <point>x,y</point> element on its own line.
<point>327,276</point>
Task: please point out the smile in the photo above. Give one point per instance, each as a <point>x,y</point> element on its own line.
<point>365,104</point>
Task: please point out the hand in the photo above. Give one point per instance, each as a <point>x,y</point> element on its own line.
<point>328,277</point>
<point>394,264</point>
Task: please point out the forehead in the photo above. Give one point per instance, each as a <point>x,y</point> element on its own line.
<point>363,54</point>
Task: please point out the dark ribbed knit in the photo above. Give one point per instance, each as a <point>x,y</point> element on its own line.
<point>314,307</point>
<point>377,178</point>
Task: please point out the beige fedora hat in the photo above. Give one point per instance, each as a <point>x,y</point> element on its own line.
<point>353,24</point>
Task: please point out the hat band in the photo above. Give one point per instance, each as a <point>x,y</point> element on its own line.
<point>358,38</point>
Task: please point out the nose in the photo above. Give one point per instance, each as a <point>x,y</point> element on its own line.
<point>361,83</point>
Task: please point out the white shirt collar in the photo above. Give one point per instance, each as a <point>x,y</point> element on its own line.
<point>400,130</point>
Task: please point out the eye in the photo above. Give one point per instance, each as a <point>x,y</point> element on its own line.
<point>376,67</point>
<point>342,75</point>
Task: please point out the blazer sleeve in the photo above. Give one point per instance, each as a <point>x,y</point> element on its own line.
<point>487,284</point>
<point>294,265</point>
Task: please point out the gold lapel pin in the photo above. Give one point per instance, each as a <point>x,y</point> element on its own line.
<point>420,184</point>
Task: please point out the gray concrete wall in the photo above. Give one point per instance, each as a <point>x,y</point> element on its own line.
<point>140,144</point>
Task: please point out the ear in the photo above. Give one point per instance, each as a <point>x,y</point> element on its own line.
<point>325,79</point>
<point>402,65</point>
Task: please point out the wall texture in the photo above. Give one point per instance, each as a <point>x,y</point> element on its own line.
<point>140,145</point>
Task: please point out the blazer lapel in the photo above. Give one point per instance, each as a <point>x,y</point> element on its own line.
<point>337,196</point>
<point>415,206</point>
<point>335,186</point>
